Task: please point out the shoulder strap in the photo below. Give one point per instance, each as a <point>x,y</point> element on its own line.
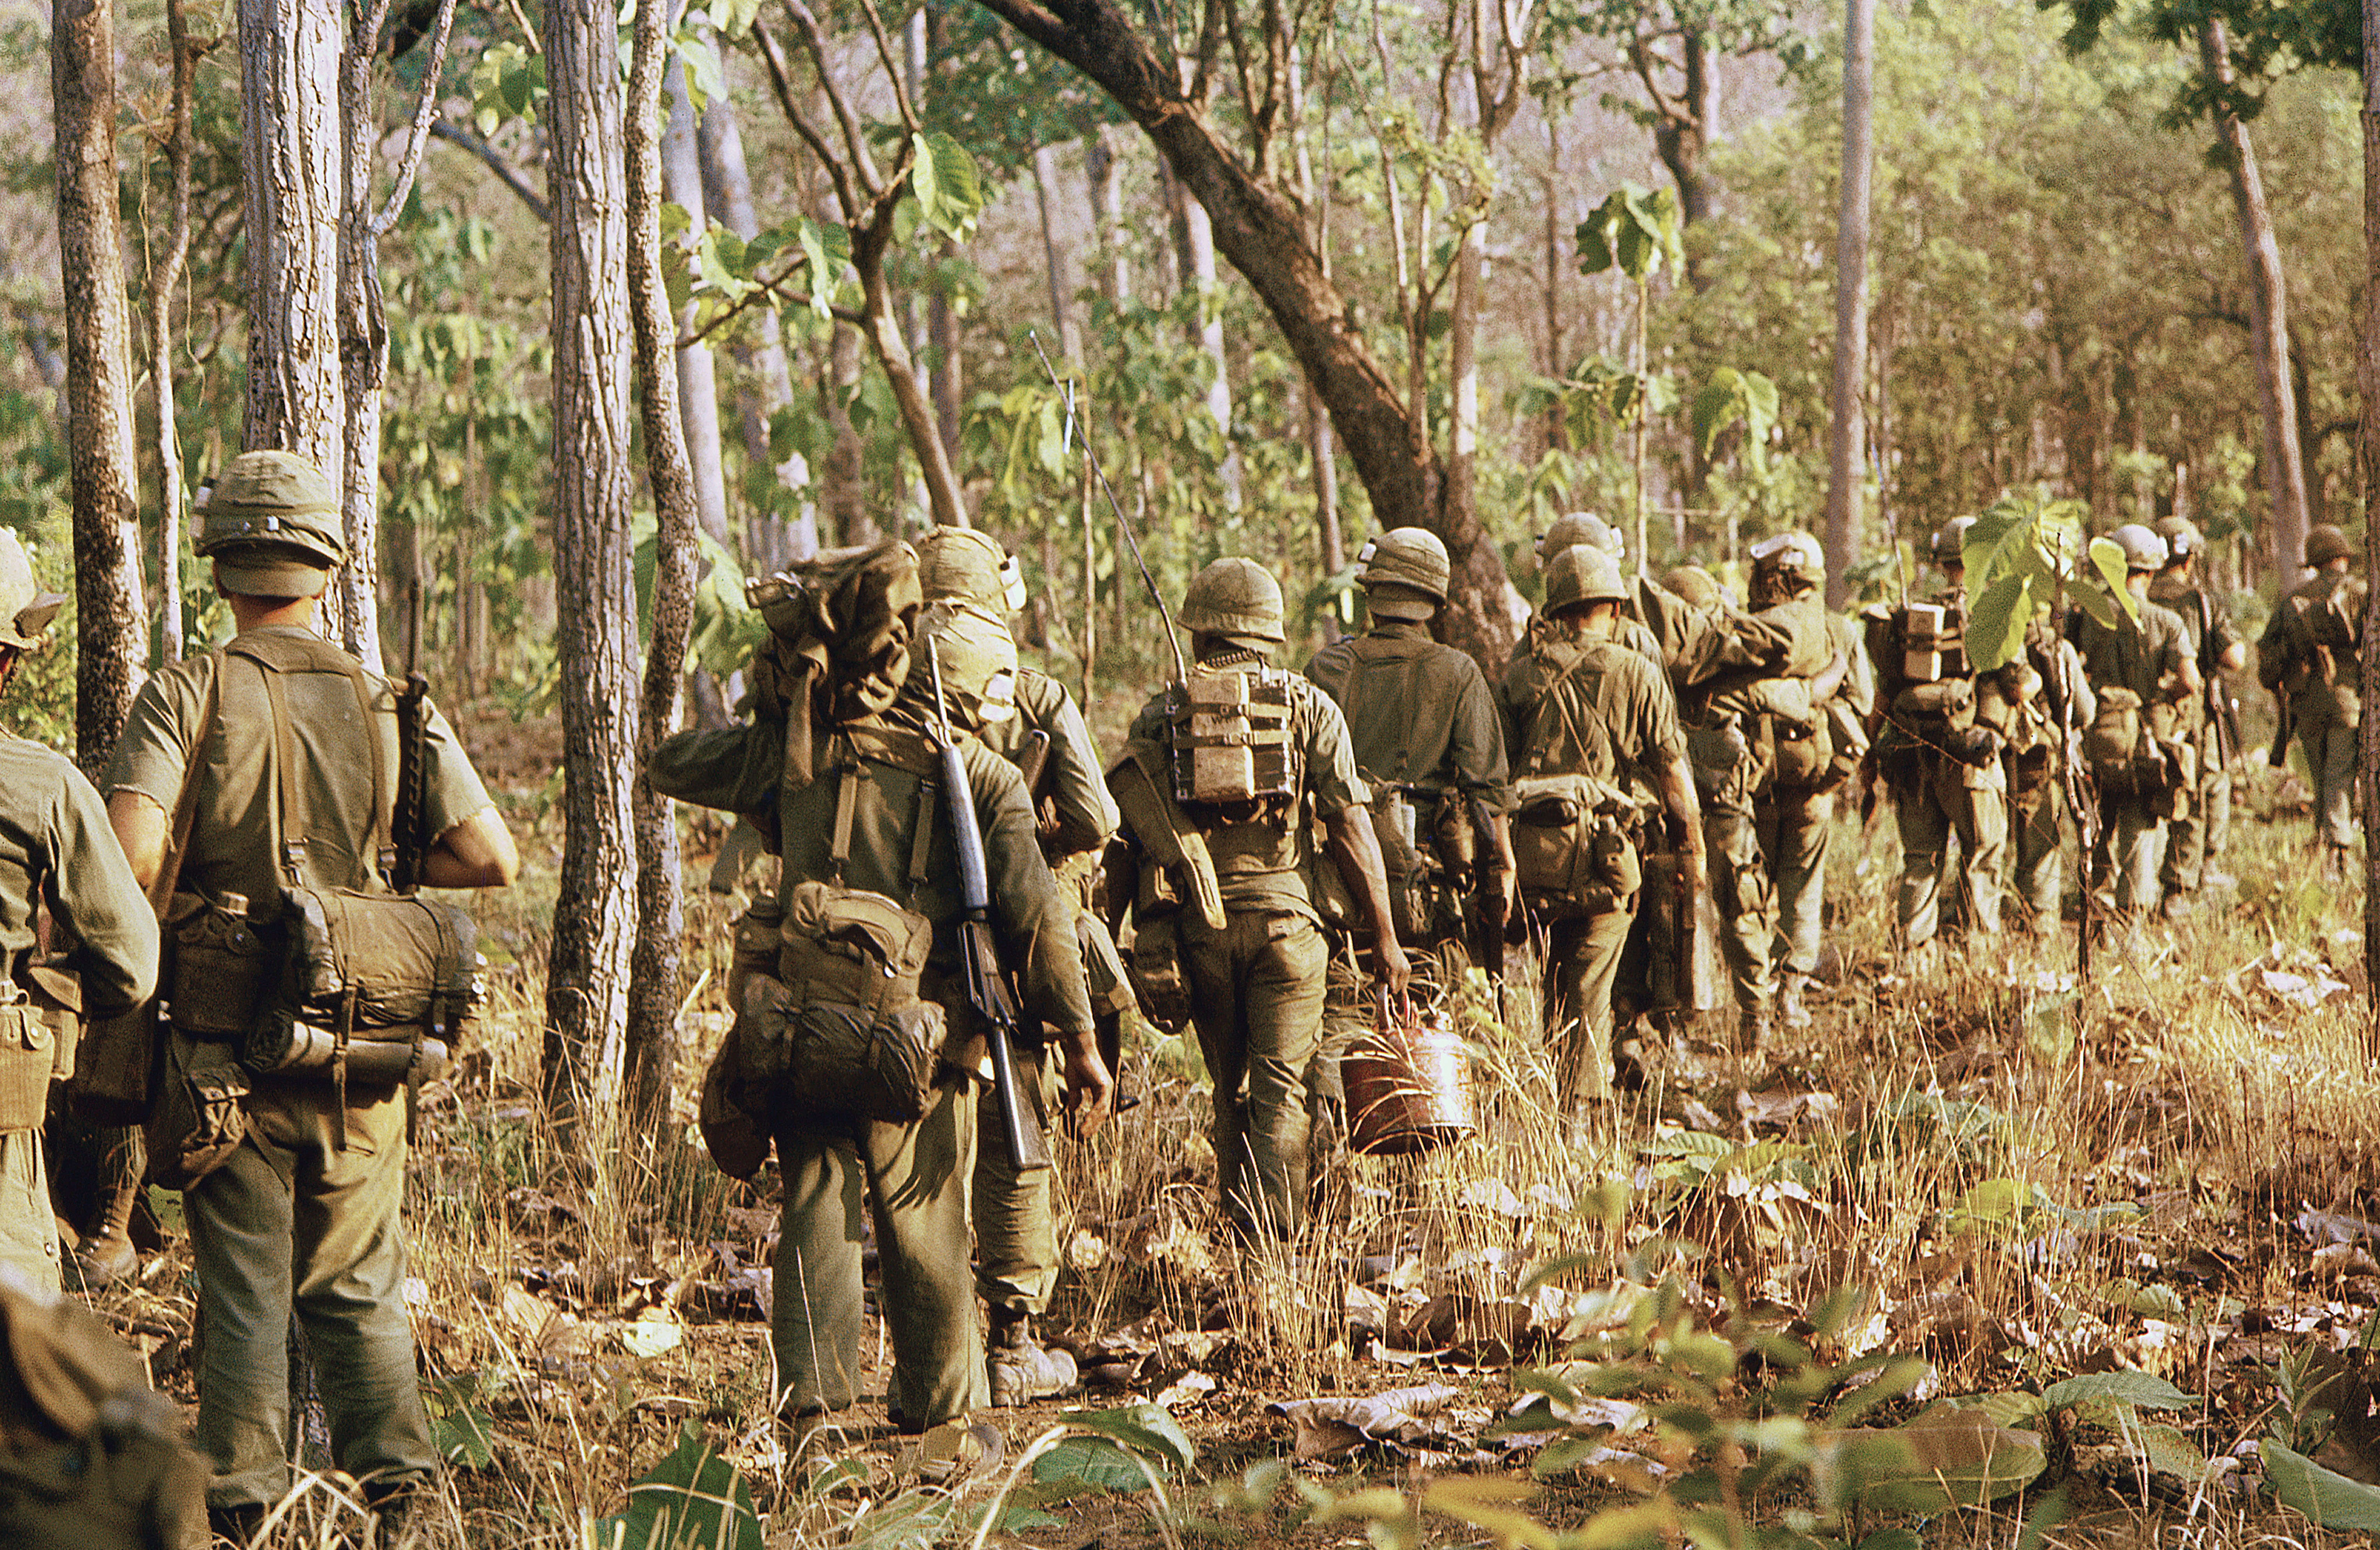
<point>186,800</point>
<point>270,661</point>
<point>846,795</point>
<point>922,833</point>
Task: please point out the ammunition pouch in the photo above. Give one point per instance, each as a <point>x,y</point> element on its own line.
<point>758,935</point>
<point>1573,852</point>
<point>840,1033</point>
<point>226,962</point>
<point>198,1121</point>
<point>1158,981</point>
<point>37,1042</point>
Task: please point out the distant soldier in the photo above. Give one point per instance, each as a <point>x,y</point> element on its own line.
<point>2144,678</point>
<point>1610,719</point>
<point>1015,1229</point>
<point>1428,744</point>
<point>1796,809</point>
<point>55,849</point>
<point>1544,653</point>
<point>1941,731</point>
<point>2310,660</point>
<point>1764,681</point>
<point>90,1457</point>
<point>1221,783</point>
<point>2216,647</point>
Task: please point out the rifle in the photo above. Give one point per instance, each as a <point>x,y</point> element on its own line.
<point>412,755</point>
<point>2222,714</point>
<point>1033,765</point>
<point>979,955</point>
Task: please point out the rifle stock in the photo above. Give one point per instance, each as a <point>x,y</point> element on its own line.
<point>405,812</point>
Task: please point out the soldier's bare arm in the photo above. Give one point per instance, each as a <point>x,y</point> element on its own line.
<point>140,827</point>
<point>476,853</point>
<point>1355,851</point>
<point>1674,779</point>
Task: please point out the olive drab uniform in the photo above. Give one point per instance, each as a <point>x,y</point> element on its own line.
<point>1610,720</point>
<point>2035,765</point>
<point>1016,1230</point>
<point>288,786</point>
<point>2309,659</point>
<point>1225,907</point>
<point>1430,747</point>
<point>1941,730</point>
<point>1796,804</point>
<point>55,849</point>
<point>2206,827</point>
<point>2143,676</point>
<point>90,1457</point>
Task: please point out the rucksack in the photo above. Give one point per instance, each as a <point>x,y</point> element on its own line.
<point>1229,731</point>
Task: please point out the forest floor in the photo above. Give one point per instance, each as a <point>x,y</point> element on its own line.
<point>1942,1203</point>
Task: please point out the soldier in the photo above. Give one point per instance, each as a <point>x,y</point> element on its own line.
<point>2216,647</point>
<point>2143,676</point>
<point>1220,785</point>
<point>1796,810</point>
<point>1016,1230</point>
<point>1428,743</point>
<point>302,1212</point>
<point>1734,714</point>
<point>90,1457</point>
<point>2308,658</point>
<point>55,849</point>
<point>1938,745</point>
<point>864,822</point>
<point>1610,719</point>
<point>1545,653</point>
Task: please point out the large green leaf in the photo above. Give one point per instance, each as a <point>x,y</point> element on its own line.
<point>1148,1430</point>
<point>2328,1498</point>
<point>2107,560</point>
<point>1997,620</point>
<point>1946,1458</point>
<point>2144,1389</point>
<point>692,1498</point>
<point>1092,1461</point>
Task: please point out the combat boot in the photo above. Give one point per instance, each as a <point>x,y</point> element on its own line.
<point>106,1255</point>
<point>1752,1030</point>
<point>1023,1370</point>
<point>1790,1009</point>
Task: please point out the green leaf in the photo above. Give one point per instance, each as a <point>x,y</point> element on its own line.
<point>1996,622</point>
<point>2331,1500</point>
<point>1095,1462</point>
<point>1946,1458</point>
<point>1148,1430</point>
<point>2107,560</point>
<point>2010,1409</point>
<point>2167,1451</point>
<point>950,191</point>
<point>2130,1388</point>
<point>694,1497</point>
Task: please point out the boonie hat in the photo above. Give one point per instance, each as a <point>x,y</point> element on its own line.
<point>272,526</point>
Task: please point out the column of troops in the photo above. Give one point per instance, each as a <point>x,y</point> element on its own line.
<point>934,988</point>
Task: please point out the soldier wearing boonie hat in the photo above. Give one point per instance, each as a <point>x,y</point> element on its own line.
<point>271,524</point>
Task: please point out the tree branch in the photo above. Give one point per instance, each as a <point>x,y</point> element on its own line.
<point>855,136</point>
<point>425,111</point>
<point>781,83</point>
<point>455,134</point>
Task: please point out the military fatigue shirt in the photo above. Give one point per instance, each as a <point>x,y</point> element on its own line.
<point>2205,622</point>
<point>1418,713</point>
<point>2137,656</point>
<point>1086,813</point>
<point>55,846</point>
<point>1324,752</point>
<point>232,835</point>
<point>736,769</point>
<point>2324,682</point>
<point>1615,690</point>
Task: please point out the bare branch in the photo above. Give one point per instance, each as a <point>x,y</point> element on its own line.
<point>520,19</point>
<point>455,134</point>
<point>781,83</point>
<point>855,136</point>
<point>893,71</point>
<point>424,112</point>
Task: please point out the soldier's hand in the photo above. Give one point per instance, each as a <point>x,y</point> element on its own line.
<point>1510,882</point>
<point>1390,968</point>
<point>1090,1087</point>
<point>1694,869</point>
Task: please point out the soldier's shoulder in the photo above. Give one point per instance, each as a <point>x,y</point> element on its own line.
<point>988,773</point>
<point>2159,618</point>
<point>1042,700</point>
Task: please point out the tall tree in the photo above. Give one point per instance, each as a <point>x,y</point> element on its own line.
<point>1847,437</point>
<point>164,290</point>
<point>698,377</point>
<point>677,496</point>
<point>2368,447</point>
<point>110,631</point>
<point>595,627</point>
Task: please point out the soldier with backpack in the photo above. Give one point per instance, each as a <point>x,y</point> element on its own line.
<point>1578,836</point>
<point>270,789</point>
<point>2216,647</point>
<point>1225,778</point>
<point>2310,660</point>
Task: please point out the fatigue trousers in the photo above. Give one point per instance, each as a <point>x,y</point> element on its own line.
<point>1796,832</point>
<point>2132,841</point>
<point>28,1230</point>
<point>2040,880</point>
<point>1015,1226</point>
<point>2330,741</point>
<point>2190,840</point>
<point>292,1222</point>
<point>1927,814</point>
<point>911,1180</point>
<point>1256,993</point>
<point>1581,961</point>
<point>1746,900</point>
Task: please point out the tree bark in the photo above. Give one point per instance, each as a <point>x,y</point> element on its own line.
<point>363,344</point>
<point>110,640</point>
<point>165,283</point>
<point>1685,126</point>
<point>1104,168</point>
<point>293,170</point>
<point>672,436</point>
<point>847,463</point>
<point>2368,378</point>
<point>1846,460</point>
<point>697,378</point>
<point>1199,274</point>
<point>2285,481</point>
<point>595,626</point>
<point>1059,264</point>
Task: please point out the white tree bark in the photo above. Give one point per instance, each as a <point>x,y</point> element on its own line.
<point>293,167</point>
<point>1060,262</point>
<point>1105,168</point>
<point>697,378</point>
<point>1846,450</point>
<point>1199,275</point>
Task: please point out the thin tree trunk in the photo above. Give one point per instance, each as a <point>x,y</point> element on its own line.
<point>595,627</point>
<point>1845,463</point>
<point>111,653</point>
<point>1104,168</point>
<point>678,496</point>
<point>292,168</point>
<point>2368,377</point>
<point>165,285</point>
<point>363,342</point>
<point>2268,318</point>
<point>1058,262</point>
<point>948,378</point>
<point>1463,367</point>
<point>846,465</point>
<point>698,381</point>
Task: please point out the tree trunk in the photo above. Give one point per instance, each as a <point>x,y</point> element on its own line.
<point>1683,134</point>
<point>292,169</point>
<point>1199,274</point>
<point>1463,366</point>
<point>2284,482</point>
<point>1847,443</point>
<point>363,346</point>
<point>165,283</point>
<point>111,653</point>
<point>595,625</point>
<point>656,163</point>
<point>1059,262</point>
<point>764,385</point>
<point>2368,376</point>
<point>1104,168</point>
<point>698,381</point>
<point>846,464</point>
<point>1262,233</point>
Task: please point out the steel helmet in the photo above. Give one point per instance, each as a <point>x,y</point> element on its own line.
<point>978,658</point>
<point>25,609</point>
<point>1794,554</point>
<point>2143,550</point>
<point>1949,544</point>
<point>2325,542</point>
<point>1583,573</point>
<point>1405,573</point>
<point>1237,599</point>
<point>1581,527</point>
<point>272,524</point>
<point>1694,585</point>
<point>969,563</point>
<point>2181,536</point>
